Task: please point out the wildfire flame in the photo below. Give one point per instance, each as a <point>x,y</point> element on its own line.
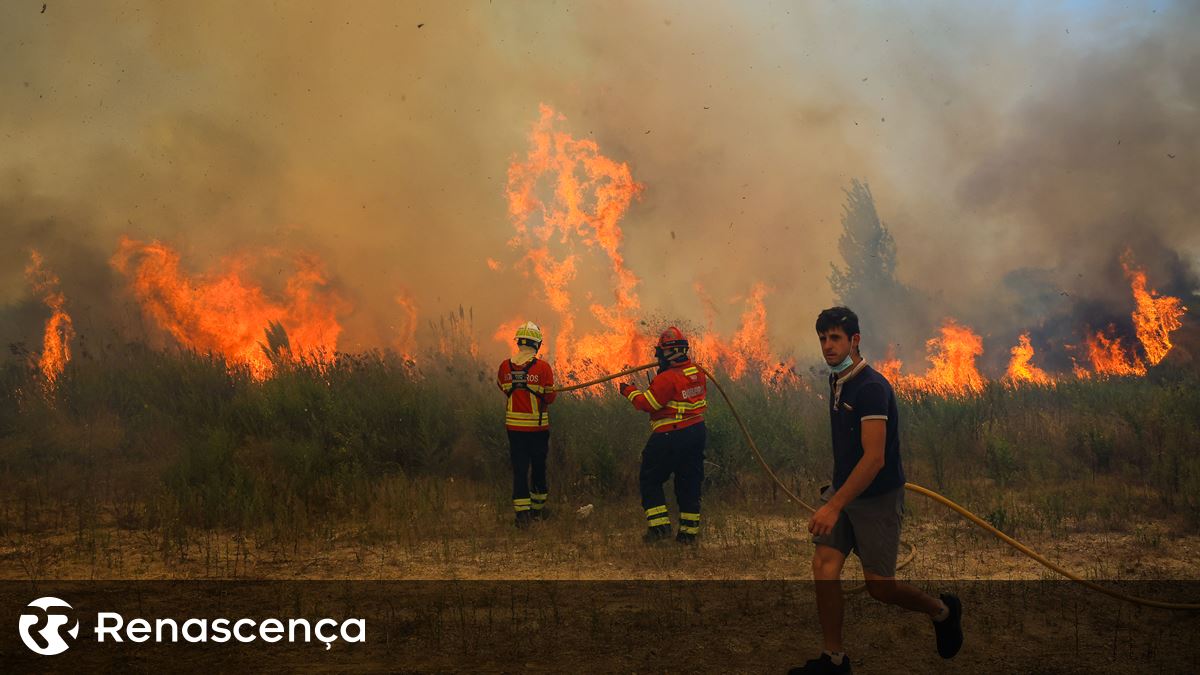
<point>56,340</point>
<point>952,370</point>
<point>890,366</point>
<point>226,313</point>
<point>1020,370</point>
<point>406,341</point>
<point>507,331</point>
<point>1109,357</point>
<point>953,354</point>
<point>590,193</point>
<point>749,350</point>
<point>1155,317</point>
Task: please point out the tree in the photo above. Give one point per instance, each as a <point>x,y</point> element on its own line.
<point>867,249</point>
<point>867,284</point>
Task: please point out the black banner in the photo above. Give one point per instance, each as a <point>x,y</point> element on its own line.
<point>574,626</point>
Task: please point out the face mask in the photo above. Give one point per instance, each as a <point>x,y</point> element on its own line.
<point>843,365</point>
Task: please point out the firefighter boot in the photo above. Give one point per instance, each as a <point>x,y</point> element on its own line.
<point>657,533</point>
<point>689,527</point>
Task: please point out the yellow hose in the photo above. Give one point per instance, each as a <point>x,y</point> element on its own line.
<point>1186,606</point>
<point>912,487</point>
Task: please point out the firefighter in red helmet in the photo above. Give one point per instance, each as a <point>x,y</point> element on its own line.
<point>676,401</point>
<point>528,383</point>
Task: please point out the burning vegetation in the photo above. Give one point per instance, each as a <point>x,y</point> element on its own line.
<point>566,203</point>
<point>566,199</point>
<point>952,354</point>
<point>1021,370</point>
<point>228,314</point>
<point>59,331</point>
<point>1156,316</point>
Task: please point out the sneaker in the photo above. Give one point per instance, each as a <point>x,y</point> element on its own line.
<point>685,538</point>
<point>656,534</point>
<point>949,630</point>
<point>821,665</point>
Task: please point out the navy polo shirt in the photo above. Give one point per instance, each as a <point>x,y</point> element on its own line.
<point>864,395</point>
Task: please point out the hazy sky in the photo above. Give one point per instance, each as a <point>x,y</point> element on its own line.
<point>995,136</point>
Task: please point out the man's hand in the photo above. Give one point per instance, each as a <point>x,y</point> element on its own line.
<point>626,389</point>
<point>824,519</point>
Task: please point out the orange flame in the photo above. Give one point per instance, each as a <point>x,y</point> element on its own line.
<point>1080,372</point>
<point>226,313</point>
<point>508,330</point>
<point>952,370</point>
<point>56,340</point>
<point>590,195</point>
<point>890,367</point>
<point>1109,357</point>
<point>1155,317</point>
<point>1020,370</point>
<point>749,350</point>
<point>406,341</point>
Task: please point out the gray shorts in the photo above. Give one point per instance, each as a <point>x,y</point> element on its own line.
<point>869,526</point>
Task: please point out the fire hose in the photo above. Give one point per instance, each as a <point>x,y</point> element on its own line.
<point>911,487</point>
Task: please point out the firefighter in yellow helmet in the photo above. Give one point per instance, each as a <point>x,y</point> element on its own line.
<point>527,381</point>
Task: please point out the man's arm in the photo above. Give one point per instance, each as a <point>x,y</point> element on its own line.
<point>548,395</point>
<point>874,433</point>
<point>654,397</point>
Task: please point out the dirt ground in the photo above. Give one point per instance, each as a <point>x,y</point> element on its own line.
<point>468,592</point>
<point>472,543</point>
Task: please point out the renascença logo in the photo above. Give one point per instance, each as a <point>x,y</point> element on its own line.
<point>46,625</point>
<point>42,630</point>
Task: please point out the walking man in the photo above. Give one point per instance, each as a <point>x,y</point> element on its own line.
<point>863,508</point>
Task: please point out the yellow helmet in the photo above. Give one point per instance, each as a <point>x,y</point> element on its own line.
<point>529,334</point>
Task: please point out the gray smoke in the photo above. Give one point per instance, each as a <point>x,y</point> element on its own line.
<point>1013,151</point>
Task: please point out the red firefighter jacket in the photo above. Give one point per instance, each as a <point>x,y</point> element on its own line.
<point>529,397</point>
<point>676,398</point>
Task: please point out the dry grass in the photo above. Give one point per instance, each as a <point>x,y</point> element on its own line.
<point>152,464</point>
<point>470,536</point>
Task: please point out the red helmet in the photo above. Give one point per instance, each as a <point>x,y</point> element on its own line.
<point>672,337</point>
<point>671,348</point>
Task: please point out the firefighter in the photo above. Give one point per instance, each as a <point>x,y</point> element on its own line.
<point>676,403</point>
<point>527,381</point>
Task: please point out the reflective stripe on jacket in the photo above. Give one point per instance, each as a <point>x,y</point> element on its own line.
<point>676,398</point>
<point>529,397</point>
